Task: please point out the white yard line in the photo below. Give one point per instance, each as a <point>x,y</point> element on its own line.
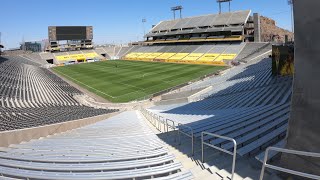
<point>87,85</point>
<point>130,86</point>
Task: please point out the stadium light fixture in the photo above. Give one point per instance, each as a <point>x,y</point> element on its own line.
<point>224,1</point>
<point>176,8</point>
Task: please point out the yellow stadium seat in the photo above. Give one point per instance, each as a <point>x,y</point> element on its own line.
<point>225,57</point>
<point>208,57</point>
<point>178,56</point>
<point>63,58</point>
<point>143,56</point>
<point>153,56</point>
<point>165,56</point>
<point>91,55</point>
<point>193,57</point>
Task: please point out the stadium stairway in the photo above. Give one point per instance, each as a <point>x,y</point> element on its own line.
<point>217,165</point>
<point>121,147</point>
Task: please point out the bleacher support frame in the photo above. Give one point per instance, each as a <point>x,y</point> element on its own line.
<point>234,153</point>
<point>289,151</point>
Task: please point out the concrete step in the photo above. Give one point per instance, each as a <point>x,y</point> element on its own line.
<point>226,175</point>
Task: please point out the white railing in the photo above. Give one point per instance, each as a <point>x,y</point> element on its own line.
<point>171,126</point>
<point>277,168</point>
<point>180,131</point>
<point>234,153</point>
<point>157,121</point>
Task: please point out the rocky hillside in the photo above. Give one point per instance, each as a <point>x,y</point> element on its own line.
<point>271,32</point>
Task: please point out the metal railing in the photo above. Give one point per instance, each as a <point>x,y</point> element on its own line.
<point>185,133</point>
<point>234,153</point>
<point>277,168</point>
<point>157,121</point>
<point>172,126</point>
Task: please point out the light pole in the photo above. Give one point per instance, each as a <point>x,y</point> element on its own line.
<point>290,2</point>
<point>144,28</point>
<point>223,1</point>
<point>176,8</point>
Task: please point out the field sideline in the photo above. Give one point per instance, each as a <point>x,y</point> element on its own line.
<point>124,81</point>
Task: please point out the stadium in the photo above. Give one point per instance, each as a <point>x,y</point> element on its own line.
<point>226,95</point>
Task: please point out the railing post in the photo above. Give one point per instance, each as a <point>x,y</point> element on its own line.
<point>289,171</point>
<point>191,136</point>
<point>234,157</point>
<point>173,127</point>
<point>192,142</point>
<point>234,154</point>
<point>179,138</point>
<point>264,163</point>
<point>202,155</point>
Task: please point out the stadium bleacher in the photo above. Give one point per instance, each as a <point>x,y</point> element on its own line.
<point>32,96</point>
<point>218,37</point>
<point>247,103</point>
<point>177,26</point>
<point>194,54</point>
<point>122,147</point>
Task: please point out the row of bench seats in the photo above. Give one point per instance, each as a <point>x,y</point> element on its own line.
<point>247,104</point>
<point>121,147</point>
<point>235,72</point>
<point>215,54</point>
<point>32,96</point>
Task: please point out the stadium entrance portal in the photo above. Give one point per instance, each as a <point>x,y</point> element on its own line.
<point>104,55</point>
<point>50,61</point>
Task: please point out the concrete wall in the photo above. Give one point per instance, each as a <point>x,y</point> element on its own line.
<point>304,124</point>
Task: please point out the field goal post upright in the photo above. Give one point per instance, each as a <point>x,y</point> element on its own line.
<point>224,1</point>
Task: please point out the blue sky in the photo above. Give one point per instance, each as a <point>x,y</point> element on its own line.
<point>114,21</point>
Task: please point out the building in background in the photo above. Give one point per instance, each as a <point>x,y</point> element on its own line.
<point>31,46</point>
<point>1,47</point>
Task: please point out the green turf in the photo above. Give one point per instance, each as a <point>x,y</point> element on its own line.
<point>124,81</point>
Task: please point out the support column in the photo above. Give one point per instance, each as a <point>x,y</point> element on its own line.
<point>304,123</point>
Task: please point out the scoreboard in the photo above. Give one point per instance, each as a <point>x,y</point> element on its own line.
<point>59,33</point>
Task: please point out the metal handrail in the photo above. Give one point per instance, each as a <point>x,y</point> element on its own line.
<point>191,136</point>
<point>234,153</point>
<point>173,127</point>
<point>289,151</point>
<point>154,119</point>
<point>162,120</point>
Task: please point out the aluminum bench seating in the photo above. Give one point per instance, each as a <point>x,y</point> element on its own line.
<point>272,154</point>
<point>124,174</point>
<point>243,141</point>
<point>266,124</point>
<point>78,167</point>
<point>110,149</point>
<point>262,141</point>
<point>239,119</point>
<point>231,116</point>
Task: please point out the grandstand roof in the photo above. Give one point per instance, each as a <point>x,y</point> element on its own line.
<point>229,19</point>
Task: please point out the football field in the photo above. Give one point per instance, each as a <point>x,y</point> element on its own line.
<point>124,81</point>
